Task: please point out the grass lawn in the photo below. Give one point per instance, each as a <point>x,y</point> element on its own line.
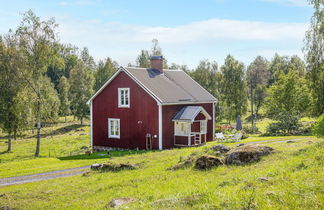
<point>295,173</point>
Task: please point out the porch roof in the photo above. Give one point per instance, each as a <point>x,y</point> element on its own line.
<point>189,113</point>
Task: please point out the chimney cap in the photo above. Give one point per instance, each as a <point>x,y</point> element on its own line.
<point>156,57</point>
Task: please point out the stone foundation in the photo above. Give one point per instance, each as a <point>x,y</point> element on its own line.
<point>104,148</point>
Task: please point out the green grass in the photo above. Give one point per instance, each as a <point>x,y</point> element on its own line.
<point>295,174</point>
<point>59,140</point>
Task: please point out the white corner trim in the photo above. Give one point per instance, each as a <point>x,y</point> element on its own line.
<point>160,127</point>
<point>91,126</point>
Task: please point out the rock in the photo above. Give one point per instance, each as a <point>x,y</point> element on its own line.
<point>87,173</point>
<point>117,202</point>
<point>239,145</point>
<point>82,134</point>
<point>95,166</point>
<point>117,167</point>
<point>113,166</point>
<point>182,164</point>
<point>207,162</point>
<point>263,179</point>
<point>247,154</point>
<point>221,148</point>
<point>79,129</point>
<point>84,147</point>
<point>290,141</point>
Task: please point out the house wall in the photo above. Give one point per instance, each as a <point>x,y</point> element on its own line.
<point>168,113</point>
<point>135,122</point>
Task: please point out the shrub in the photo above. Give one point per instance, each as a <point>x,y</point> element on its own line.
<point>288,124</point>
<point>318,128</point>
<point>248,129</point>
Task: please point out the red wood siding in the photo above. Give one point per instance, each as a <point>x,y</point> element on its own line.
<point>135,122</point>
<point>168,113</point>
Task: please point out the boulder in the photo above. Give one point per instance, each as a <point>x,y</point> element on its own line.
<point>247,154</point>
<point>113,166</point>
<point>221,148</point>
<point>95,166</point>
<point>290,141</point>
<point>117,202</point>
<point>207,162</point>
<point>182,164</point>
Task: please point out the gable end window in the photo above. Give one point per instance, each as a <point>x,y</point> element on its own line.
<point>123,97</point>
<point>113,128</point>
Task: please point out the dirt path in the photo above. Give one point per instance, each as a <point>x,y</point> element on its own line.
<point>42,176</point>
<point>80,170</point>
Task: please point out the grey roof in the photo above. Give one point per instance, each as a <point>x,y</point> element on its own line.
<point>172,86</point>
<point>189,113</point>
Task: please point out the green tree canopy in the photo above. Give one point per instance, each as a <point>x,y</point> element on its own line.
<point>104,71</point>
<point>82,81</point>
<point>233,88</point>
<point>314,54</point>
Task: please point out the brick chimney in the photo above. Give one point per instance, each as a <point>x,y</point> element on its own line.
<point>157,63</point>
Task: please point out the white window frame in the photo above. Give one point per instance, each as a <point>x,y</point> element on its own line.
<point>122,97</point>
<point>181,128</point>
<point>116,125</point>
<point>203,126</point>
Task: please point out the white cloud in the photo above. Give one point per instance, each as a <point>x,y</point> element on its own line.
<point>123,41</point>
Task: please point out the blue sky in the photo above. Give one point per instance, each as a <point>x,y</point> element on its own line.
<point>188,30</point>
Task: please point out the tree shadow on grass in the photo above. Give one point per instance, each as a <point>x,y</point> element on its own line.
<point>61,131</point>
<point>106,155</point>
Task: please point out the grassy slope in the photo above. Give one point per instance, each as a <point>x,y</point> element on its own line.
<point>295,172</point>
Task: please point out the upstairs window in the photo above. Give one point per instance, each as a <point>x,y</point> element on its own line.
<point>113,128</point>
<point>123,97</point>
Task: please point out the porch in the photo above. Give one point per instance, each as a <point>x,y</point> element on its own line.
<point>190,126</point>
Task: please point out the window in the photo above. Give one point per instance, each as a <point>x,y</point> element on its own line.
<point>181,128</point>
<point>113,128</point>
<point>123,97</point>
<point>203,126</point>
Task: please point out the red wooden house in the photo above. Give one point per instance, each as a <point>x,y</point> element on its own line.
<point>151,108</point>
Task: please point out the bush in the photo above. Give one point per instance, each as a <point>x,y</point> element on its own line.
<point>288,124</point>
<point>318,128</point>
<point>248,129</point>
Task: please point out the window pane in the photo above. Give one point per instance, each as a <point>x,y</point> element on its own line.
<point>126,97</point>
